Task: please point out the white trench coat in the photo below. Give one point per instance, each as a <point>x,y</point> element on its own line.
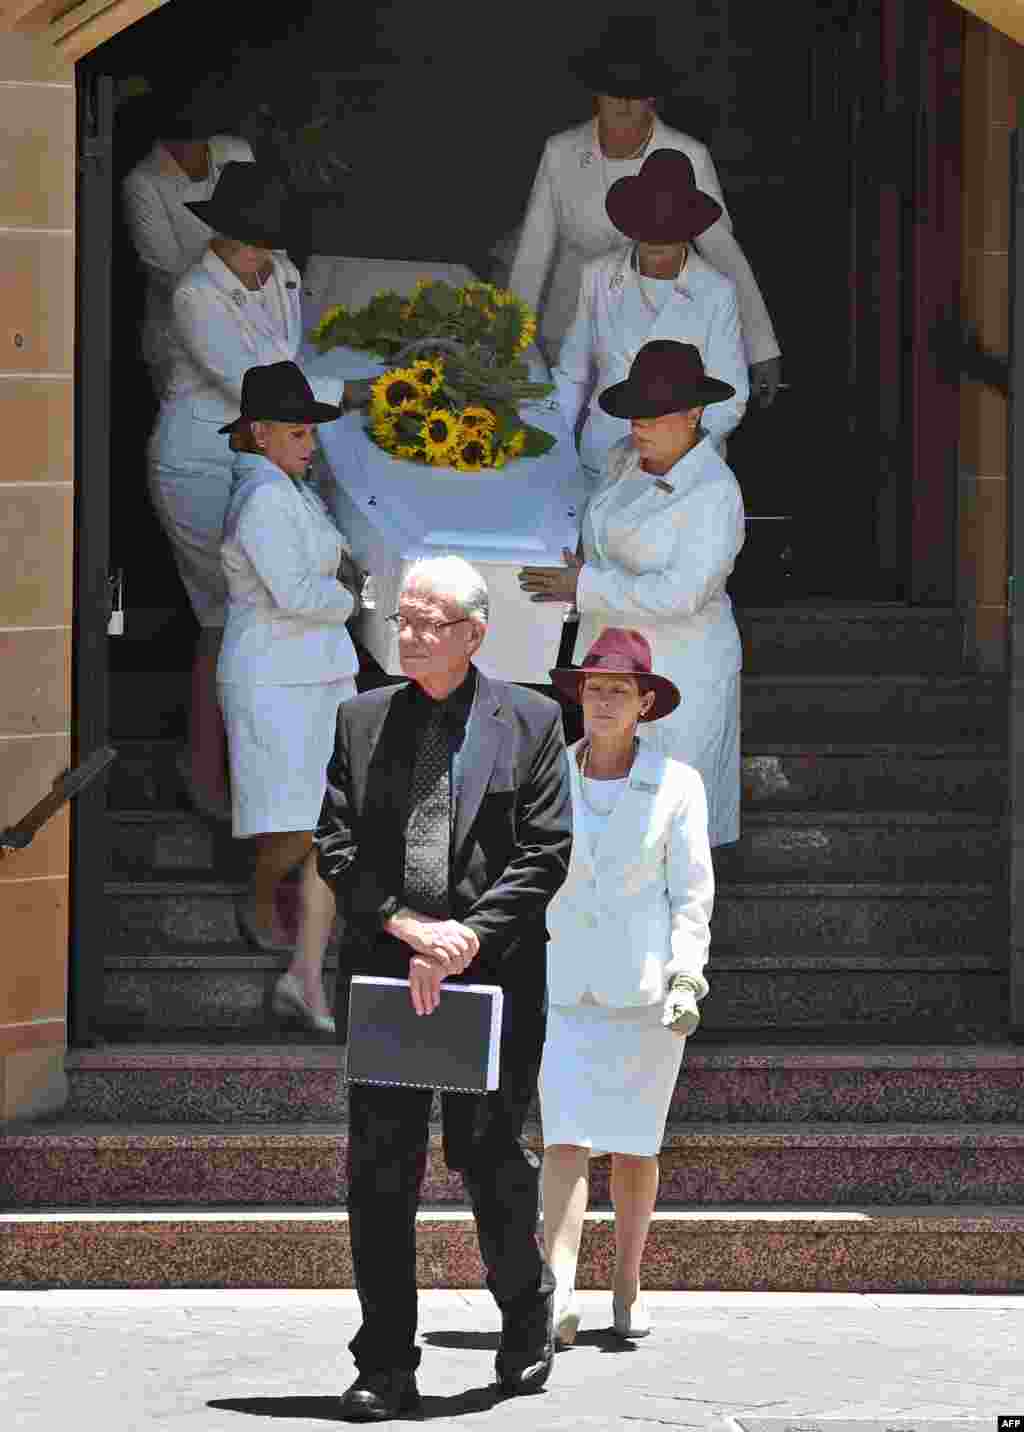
<point>566,224</point>
<point>658,562</point>
<point>612,323</point>
<point>169,238</point>
<point>221,330</point>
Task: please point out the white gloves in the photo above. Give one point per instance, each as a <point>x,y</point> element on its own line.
<point>680,1013</point>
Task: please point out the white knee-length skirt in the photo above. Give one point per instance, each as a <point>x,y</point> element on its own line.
<point>280,739</point>
<point>607,1077</point>
<point>190,474</point>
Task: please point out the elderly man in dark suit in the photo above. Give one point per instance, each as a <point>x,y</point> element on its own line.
<point>445,831</point>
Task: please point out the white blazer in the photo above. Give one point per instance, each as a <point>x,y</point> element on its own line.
<point>286,610</point>
<point>605,336</point>
<point>221,329</point>
<point>566,224</point>
<point>169,238</point>
<point>638,909</point>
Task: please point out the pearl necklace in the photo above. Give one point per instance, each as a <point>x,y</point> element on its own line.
<point>595,809</point>
<point>622,159</point>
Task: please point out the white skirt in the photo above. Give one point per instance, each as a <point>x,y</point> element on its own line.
<point>607,1078</point>
<point>280,739</point>
<point>190,475</point>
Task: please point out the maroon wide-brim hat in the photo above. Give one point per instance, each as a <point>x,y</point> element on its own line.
<point>661,204</point>
<point>665,377</point>
<point>620,651</point>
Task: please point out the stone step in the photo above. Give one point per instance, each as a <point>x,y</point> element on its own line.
<point>776,775</point>
<point>873,639</point>
<point>896,778</point>
<point>702,1164</point>
<point>866,1249</point>
<point>915,917</point>
<point>865,845</point>
<point>854,844</point>
<point>845,710</point>
<point>957,996</point>
<point>718,1083</point>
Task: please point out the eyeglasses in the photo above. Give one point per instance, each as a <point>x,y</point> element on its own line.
<point>399,620</point>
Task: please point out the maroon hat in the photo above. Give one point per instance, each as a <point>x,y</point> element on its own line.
<point>628,653</point>
<point>665,377</point>
<point>661,204</point>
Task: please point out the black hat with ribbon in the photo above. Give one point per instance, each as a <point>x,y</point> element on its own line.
<point>279,393</point>
<point>665,377</point>
<point>625,62</point>
<point>249,204</point>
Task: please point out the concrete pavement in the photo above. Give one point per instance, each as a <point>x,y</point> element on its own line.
<point>211,1361</point>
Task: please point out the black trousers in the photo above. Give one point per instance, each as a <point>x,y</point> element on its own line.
<point>388,1136</point>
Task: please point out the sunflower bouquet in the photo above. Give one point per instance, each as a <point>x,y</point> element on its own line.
<point>452,398</point>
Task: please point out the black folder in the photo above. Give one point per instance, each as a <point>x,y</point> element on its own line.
<point>457,1047</point>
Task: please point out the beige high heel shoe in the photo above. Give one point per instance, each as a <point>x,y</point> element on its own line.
<point>630,1320</point>
<point>566,1321</point>
<point>288,999</point>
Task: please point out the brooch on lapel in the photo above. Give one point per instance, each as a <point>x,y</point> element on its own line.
<point>586,158</point>
<point>616,281</point>
<point>289,284</point>
<point>238,295</point>
<point>664,486</point>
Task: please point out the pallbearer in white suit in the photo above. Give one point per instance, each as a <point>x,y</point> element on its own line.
<point>660,537</point>
<point>566,222</point>
<point>657,287</point>
<point>629,940</point>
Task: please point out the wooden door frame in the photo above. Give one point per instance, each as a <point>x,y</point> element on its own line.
<point>1015,817</point>
<point>90,854</point>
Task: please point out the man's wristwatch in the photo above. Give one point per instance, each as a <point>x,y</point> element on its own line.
<point>391,907</point>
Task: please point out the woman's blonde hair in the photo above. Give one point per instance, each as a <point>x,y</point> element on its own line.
<point>243,438</point>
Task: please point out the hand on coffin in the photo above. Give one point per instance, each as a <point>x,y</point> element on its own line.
<point>357,393</point>
<point>553,584</point>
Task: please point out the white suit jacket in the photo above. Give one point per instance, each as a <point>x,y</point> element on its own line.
<point>638,909</point>
<point>286,609</point>
<point>600,347</point>
<point>566,224</point>
<point>169,238</point>
<point>221,329</point>
<point>659,561</point>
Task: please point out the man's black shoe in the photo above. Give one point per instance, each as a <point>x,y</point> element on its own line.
<point>527,1349</point>
<point>379,1396</point>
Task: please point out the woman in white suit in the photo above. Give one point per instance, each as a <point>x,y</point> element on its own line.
<point>238,307</point>
<point>566,222</point>
<point>629,936</point>
<point>286,665</point>
<point>659,539</point>
<point>181,168</point>
<point>655,287</point>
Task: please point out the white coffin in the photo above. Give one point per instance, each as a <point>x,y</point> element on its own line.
<point>394,512</point>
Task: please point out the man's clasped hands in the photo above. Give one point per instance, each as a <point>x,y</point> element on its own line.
<point>440,948</point>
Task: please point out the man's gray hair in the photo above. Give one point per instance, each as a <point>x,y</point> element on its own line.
<point>455,578</point>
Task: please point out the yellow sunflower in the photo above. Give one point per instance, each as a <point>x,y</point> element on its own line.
<point>408,451</point>
<point>384,431</point>
<point>475,418</point>
<point>440,432</point>
<point>429,374</point>
<point>473,454</point>
<point>397,391</point>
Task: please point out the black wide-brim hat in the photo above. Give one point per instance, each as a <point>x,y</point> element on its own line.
<point>665,377</point>
<point>620,651</point>
<point>625,62</point>
<point>661,204</point>
<point>279,393</point>
<point>249,204</point>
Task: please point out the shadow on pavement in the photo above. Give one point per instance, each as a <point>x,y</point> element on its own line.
<point>461,1404</point>
<point>602,1338</point>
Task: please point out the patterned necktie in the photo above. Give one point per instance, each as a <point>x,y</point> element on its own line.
<point>428,833</point>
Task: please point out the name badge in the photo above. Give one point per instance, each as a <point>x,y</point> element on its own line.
<point>644,786</point>
<point>664,486</point>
